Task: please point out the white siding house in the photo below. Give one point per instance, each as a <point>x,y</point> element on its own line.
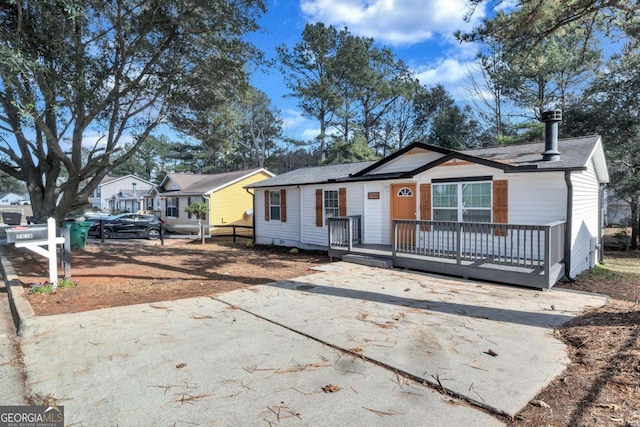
<point>122,193</point>
<point>534,219</point>
<point>12,198</point>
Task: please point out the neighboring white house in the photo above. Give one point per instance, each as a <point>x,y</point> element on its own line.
<point>506,214</point>
<point>122,193</point>
<point>618,211</point>
<point>12,198</point>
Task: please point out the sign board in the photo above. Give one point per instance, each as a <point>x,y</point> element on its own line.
<point>25,233</point>
<point>373,195</point>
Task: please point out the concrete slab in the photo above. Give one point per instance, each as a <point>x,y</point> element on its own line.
<point>201,362</point>
<point>12,389</point>
<point>492,344</point>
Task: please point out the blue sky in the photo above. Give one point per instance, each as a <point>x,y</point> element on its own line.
<point>420,32</point>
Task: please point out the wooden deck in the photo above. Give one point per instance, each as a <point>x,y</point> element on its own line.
<point>521,276</point>
<point>530,256</point>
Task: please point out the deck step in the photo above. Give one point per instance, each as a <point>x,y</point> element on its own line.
<point>368,261</point>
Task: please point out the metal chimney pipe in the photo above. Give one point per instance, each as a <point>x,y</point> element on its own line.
<point>551,120</point>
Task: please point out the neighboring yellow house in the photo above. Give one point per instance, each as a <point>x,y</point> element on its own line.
<point>229,203</point>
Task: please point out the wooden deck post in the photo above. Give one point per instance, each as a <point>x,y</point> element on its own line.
<point>458,243</point>
<point>394,243</point>
<point>547,251</point>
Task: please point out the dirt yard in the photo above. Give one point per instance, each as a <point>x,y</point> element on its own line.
<point>124,273</point>
<point>601,387</point>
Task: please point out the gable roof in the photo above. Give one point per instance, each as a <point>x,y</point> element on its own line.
<point>199,184</point>
<point>112,179</point>
<point>575,154</point>
<point>312,175</point>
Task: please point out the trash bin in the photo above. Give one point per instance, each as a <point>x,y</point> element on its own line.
<point>78,231</point>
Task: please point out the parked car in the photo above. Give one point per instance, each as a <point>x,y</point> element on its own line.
<point>21,202</point>
<point>127,225</point>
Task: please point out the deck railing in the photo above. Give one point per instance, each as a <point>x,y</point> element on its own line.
<point>345,231</point>
<point>533,246</point>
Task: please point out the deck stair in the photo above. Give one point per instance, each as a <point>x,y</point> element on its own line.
<point>368,261</point>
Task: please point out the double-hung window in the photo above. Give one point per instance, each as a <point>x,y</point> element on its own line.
<point>275,206</point>
<point>331,204</point>
<point>462,201</point>
<point>172,207</point>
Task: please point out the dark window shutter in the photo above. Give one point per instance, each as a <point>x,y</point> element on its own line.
<point>283,205</point>
<point>266,205</point>
<point>342,202</point>
<point>425,204</point>
<point>500,205</point>
<point>319,207</point>
<point>177,207</point>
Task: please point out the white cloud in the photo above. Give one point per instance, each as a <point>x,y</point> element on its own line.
<point>446,72</point>
<point>98,140</point>
<point>310,134</point>
<point>292,119</point>
<point>456,76</point>
<point>395,22</point>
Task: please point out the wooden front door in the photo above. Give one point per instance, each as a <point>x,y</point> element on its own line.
<point>403,206</point>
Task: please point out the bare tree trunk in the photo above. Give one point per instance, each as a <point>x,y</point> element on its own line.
<point>635,225</point>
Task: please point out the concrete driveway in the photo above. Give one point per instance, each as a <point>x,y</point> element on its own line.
<point>348,346</point>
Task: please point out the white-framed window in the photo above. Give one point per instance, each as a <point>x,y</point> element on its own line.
<point>172,207</point>
<point>462,201</point>
<point>274,205</point>
<point>331,204</point>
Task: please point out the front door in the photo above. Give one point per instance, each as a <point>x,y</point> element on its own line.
<point>403,206</point>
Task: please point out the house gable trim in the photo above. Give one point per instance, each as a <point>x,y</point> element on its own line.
<point>111,181</point>
<point>235,181</point>
<point>465,157</point>
<point>400,153</point>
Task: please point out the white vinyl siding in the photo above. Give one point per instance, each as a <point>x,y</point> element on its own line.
<point>408,162</point>
<point>534,198</point>
<point>277,232</point>
<point>373,220</point>
<point>537,198</point>
<point>585,218</point>
<point>313,235</point>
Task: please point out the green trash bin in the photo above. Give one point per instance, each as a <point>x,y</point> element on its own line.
<point>78,231</point>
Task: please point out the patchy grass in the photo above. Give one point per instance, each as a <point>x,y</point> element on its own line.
<point>48,289</point>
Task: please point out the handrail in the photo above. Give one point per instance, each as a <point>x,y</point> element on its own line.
<point>344,231</point>
<point>537,246</point>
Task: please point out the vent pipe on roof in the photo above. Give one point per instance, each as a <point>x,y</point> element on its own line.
<point>551,120</point>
